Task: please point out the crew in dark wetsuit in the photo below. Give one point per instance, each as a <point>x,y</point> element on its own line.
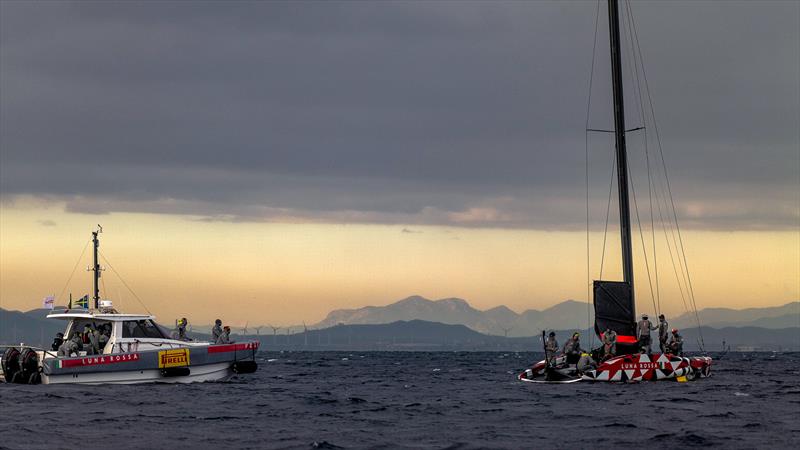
<point>216,332</point>
<point>643,334</point>
<point>663,333</point>
<point>572,348</point>
<point>609,343</point>
<point>102,336</point>
<point>94,342</point>
<point>676,343</point>
<point>57,342</point>
<point>551,347</point>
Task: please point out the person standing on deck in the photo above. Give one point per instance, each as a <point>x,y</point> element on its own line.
<point>551,347</point>
<point>663,333</point>
<point>643,334</point>
<point>609,343</point>
<point>216,332</point>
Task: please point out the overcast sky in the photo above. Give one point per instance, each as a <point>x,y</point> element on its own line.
<point>456,113</point>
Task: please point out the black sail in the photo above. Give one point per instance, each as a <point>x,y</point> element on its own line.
<point>614,309</point>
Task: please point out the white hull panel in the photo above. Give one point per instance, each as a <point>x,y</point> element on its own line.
<point>198,374</point>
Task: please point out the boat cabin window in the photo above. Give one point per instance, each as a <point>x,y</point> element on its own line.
<point>78,325</point>
<point>141,329</point>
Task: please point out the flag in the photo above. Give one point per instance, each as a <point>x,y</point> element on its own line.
<point>83,302</point>
<point>49,302</point>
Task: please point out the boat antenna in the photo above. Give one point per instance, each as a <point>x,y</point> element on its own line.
<point>96,265</point>
<point>621,153</point>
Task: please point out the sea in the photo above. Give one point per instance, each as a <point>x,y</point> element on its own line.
<point>397,400</point>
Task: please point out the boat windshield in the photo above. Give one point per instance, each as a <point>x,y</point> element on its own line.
<point>141,329</point>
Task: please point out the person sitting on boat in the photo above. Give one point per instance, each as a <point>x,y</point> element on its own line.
<point>643,328</point>
<point>225,337</point>
<point>216,331</point>
<point>572,348</point>
<point>586,363</point>
<point>675,345</point>
<point>58,341</point>
<point>663,333</point>
<point>551,346</point>
<point>87,333</point>
<point>609,343</point>
<point>71,346</point>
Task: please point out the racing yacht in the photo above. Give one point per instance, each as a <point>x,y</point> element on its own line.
<point>138,350</point>
<point>614,304</point>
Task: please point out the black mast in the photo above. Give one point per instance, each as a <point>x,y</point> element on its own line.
<point>622,159</point>
<point>96,267</point>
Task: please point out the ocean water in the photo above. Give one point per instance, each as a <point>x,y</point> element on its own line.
<point>413,400</point>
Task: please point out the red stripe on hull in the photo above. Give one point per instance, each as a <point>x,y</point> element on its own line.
<point>233,347</point>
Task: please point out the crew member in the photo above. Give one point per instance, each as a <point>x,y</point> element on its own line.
<point>103,334</point>
<point>551,347</point>
<point>572,348</point>
<point>94,341</point>
<point>216,332</point>
<point>643,328</point>
<point>663,332</point>
<point>675,345</point>
<point>225,337</point>
<point>609,343</point>
<point>586,363</point>
<point>182,323</point>
<point>57,342</point>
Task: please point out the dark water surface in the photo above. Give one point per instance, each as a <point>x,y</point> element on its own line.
<point>413,400</point>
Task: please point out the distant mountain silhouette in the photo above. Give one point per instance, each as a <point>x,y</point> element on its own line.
<point>562,316</point>
<point>774,317</point>
<point>495,321</point>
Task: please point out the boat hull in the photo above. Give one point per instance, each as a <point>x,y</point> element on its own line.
<point>190,364</point>
<point>626,368</point>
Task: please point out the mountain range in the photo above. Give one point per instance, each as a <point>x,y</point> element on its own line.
<point>503,321</point>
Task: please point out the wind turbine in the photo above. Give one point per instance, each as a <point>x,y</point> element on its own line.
<point>305,334</point>
<point>244,329</point>
<point>506,330</point>
<point>258,330</point>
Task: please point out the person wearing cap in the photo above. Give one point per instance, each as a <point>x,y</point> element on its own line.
<point>572,348</point>
<point>643,328</point>
<point>216,332</point>
<point>663,333</point>
<point>609,343</point>
<point>585,363</point>
<point>57,342</point>
<point>675,345</point>
<point>551,347</point>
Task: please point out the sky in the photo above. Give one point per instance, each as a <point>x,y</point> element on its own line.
<point>272,161</point>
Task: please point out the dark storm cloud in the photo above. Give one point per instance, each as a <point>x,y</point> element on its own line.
<point>455,113</point>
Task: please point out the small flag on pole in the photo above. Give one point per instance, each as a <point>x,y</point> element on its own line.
<point>83,302</point>
<point>49,302</point>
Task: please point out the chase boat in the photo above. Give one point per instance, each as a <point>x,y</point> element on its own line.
<point>138,350</point>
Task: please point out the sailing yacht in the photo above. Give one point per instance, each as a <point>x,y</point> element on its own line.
<point>614,304</point>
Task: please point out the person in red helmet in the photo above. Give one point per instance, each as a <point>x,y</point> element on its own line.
<point>676,343</point>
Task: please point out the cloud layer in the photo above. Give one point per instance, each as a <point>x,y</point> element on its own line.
<point>465,114</point>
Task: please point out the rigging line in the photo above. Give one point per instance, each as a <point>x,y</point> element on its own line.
<point>608,211</point>
<point>123,282</point>
<point>644,248</point>
<point>73,269</point>
<point>669,188</point>
<point>586,151</point>
<point>640,104</point>
<point>671,257</point>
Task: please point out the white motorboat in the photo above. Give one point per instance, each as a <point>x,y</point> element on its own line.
<point>136,350</point>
